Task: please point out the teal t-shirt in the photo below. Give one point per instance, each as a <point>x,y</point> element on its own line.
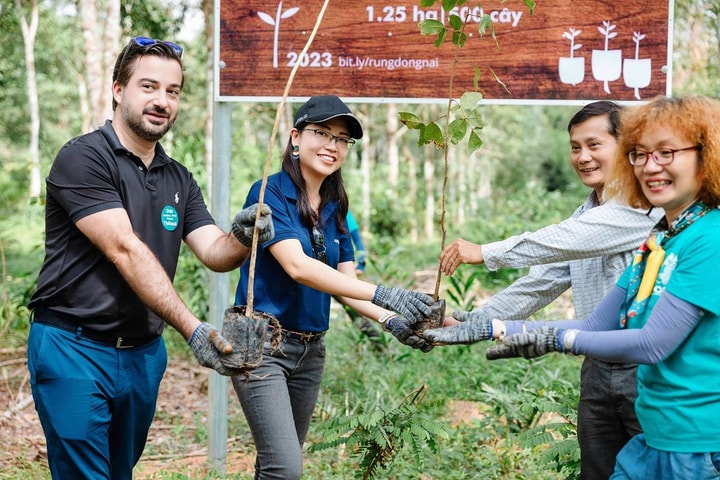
<point>678,403</point>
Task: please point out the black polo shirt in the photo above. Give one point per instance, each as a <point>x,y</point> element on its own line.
<point>91,173</point>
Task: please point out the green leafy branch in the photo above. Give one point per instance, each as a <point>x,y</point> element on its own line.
<point>378,436</point>
<point>465,113</point>
<point>467,118</point>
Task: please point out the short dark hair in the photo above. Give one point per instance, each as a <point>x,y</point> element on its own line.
<point>128,57</point>
<point>595,109</point>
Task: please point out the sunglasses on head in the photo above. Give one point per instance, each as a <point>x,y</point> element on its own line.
<point>147,41</point>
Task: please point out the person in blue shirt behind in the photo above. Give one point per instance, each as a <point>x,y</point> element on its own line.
<point>309,260</point>
<point>664,311</point>
<point>357,241</point>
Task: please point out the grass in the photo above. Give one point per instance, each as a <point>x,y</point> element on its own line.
<point>484,442</point>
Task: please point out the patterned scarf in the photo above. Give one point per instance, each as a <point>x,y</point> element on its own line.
<point>648,259</point>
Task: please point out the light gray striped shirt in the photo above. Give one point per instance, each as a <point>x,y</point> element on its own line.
<point>588,251</point>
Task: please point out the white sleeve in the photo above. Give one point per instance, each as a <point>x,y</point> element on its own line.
<point>607,229</point>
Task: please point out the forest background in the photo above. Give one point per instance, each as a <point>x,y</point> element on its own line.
<point>54,85</point>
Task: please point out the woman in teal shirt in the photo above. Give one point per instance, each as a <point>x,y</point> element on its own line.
<point>664,312</point>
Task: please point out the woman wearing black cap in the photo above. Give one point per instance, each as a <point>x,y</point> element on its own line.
<point>309,259</point>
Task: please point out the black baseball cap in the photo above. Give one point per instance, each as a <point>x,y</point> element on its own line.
<point>322,108</point>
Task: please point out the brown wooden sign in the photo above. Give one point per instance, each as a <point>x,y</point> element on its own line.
<point>567,51</point>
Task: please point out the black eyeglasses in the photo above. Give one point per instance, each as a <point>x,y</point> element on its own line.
<point>329,137</point>
<point>661,156</point>
<point>318,244</point>
<point>147,41</point>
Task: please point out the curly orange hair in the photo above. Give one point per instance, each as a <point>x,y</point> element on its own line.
<point>695,117</point>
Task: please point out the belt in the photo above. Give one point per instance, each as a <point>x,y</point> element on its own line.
<point>52,319</point>
<point>309,337</point>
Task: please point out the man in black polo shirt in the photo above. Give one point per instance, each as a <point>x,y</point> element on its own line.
<point>118,208</point>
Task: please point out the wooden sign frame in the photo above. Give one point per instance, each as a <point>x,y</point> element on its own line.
<point>372,51</point>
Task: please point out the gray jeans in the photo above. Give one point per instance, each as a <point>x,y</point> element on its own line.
<point>278,399</point>
<point>606,415</point>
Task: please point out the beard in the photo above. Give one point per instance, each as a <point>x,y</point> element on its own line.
<point>150,132</point>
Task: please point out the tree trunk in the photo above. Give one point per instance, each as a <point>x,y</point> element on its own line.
<point>429,176</point>
<point>100,44</point>
<point>391,123</point>
<point>457,187</point>
<point>84,102</point>
<point>29,30</point>
<point>366,156</point>
<point>207,9</point>
<point>411,162</point>
<point>715,20</point>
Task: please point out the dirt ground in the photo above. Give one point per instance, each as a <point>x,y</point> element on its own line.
<point>183,396</point>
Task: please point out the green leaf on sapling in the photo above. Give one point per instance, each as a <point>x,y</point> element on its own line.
<point>431,27</point>
<point>469,101</point>
<point>457,130</point>
<point>459,39</point>
<point>455,22</point>
<point>432,134</point>
<point>410,120</point>
<point>474,142</point>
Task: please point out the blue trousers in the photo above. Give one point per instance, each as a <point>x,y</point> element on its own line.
<point>638,461</point>
<point>278,399</point>
<point>95,402</point>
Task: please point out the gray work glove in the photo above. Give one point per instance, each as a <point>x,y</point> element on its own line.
<point>414,306</point>
<point>209,346</point>
<point>244,223</point>
<point>534,343</point>
<point>400,328</point>
<point>475,326</point>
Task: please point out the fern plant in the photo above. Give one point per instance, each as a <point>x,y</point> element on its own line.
<point>462,285</point>
<point>377,436</point>
<point>540,414</point>
<point>554,432</point>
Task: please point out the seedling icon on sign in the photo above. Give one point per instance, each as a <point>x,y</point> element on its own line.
<point>276,23</point>
<point>572,69</point>
<point>637,71</point>
<point>607,64</point>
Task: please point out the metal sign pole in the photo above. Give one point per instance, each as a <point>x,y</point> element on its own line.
<point>219,282</point>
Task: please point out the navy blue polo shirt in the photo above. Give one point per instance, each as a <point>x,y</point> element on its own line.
<point>296,306</point>
<point>92,173</point>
